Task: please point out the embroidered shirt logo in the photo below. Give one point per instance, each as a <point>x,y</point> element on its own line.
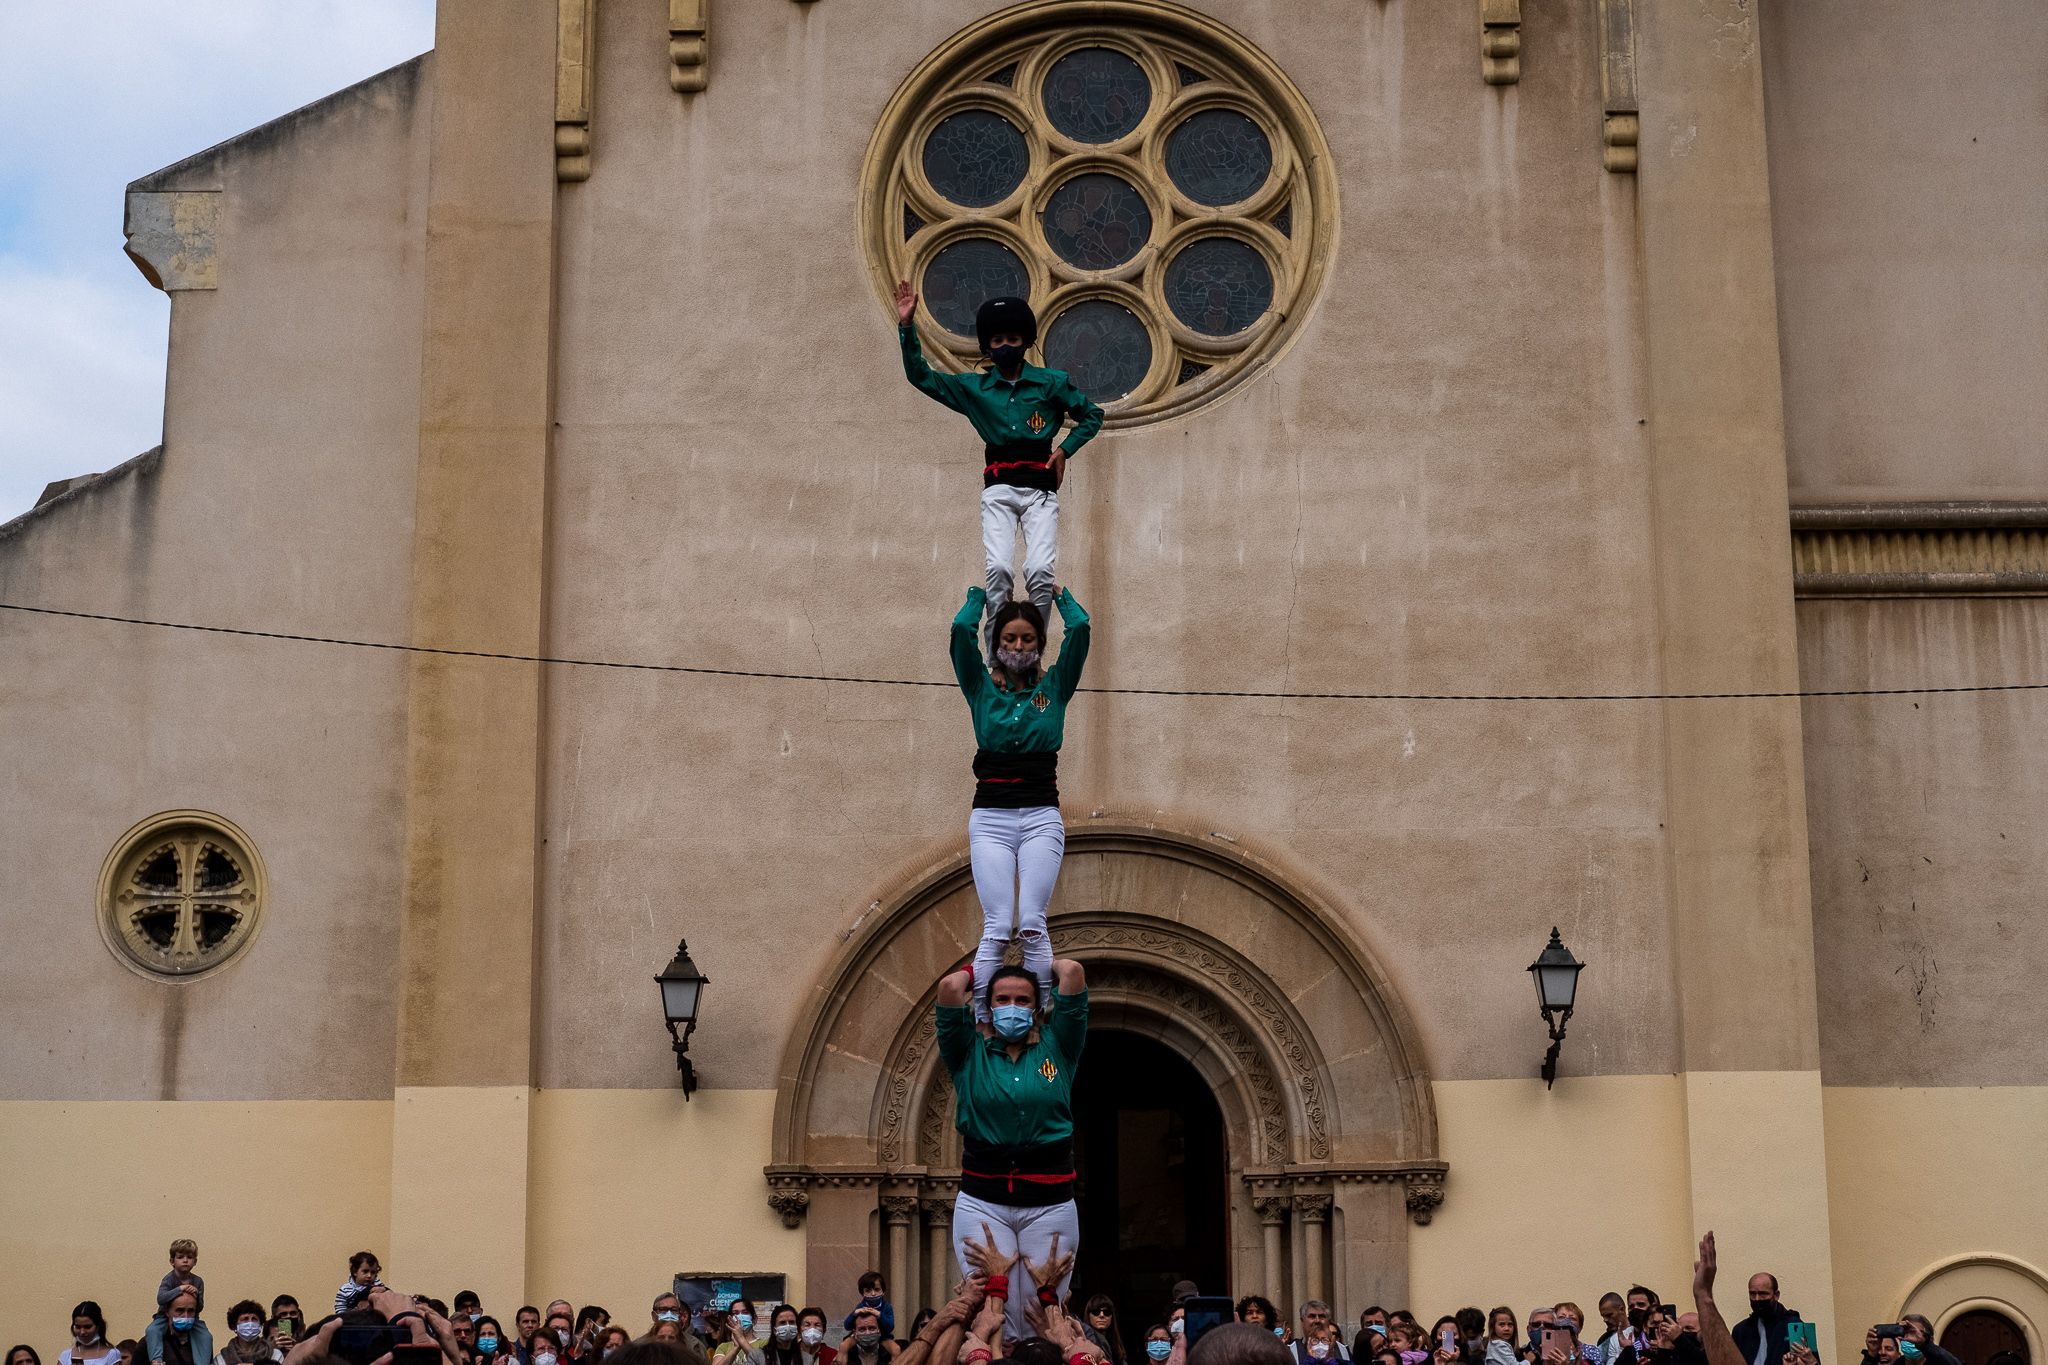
<point>1036,421</point>
<point>1041,701</point>
<point>1048,1070</point>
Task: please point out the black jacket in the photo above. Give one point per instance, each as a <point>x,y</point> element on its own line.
<point>1763,1341</point>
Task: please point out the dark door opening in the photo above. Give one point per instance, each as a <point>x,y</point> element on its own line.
<point>1981,1336</point>
<point>1154,1179</point>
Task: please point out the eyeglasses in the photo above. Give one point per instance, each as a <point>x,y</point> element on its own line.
<point>1098,1312</point>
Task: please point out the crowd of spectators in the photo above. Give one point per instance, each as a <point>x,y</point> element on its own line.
<point>372,1324</point>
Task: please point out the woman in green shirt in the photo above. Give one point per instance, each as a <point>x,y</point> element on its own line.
<point>1013,1080</point>
<point>1015,837</point>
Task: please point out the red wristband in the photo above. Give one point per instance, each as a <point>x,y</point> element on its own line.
<point>979,1355</point>
<point>1046,1295</point>
<point>1079,1358</point>
<point>998,1286</point>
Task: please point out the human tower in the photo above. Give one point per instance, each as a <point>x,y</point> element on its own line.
<point>1011,1036</point>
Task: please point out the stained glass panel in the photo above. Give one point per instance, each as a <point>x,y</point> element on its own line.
<point>1218,285</point>
<point>1096,94</point>
<point>967,274</point>
<point>1097,221</point>
<point>975,157</point>
<point>1102,345</point>
<point>1218,157</point>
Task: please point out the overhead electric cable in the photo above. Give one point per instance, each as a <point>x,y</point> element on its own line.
<point>1252,694</point>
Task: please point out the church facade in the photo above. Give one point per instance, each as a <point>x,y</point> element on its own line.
<point>1568,464</point>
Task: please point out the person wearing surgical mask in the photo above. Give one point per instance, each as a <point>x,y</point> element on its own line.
<point>1013,1079</point>
<point>555,1333</point>
<point>811,1329</point>
<point>1159,1340</point>
<point>250,1344</point>
<point>611,1340</point>
<point>666,1308</point>
<point>780,1344</point>
<point>491,1346</point>
<point>742,1344</point>
<point>591,1321</point>
<point>867,1345</point>
<point>1318,1328</point>
<point>89,1344</point>
<point>179,1337</point>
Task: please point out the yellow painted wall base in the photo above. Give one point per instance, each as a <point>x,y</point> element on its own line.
<point>1759,1180</point>
<point>1552,1195</point>
<point>1559,1194</point>
<point>631,1187</point>
<point>458,1187</point>
<point>1920,1176</point>
<point>277,1193</point>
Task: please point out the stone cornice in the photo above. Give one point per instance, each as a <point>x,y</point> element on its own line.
<point>1973,548</point>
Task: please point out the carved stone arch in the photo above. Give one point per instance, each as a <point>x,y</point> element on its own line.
<point>1262,1112</point>
<point>1330,1123</point>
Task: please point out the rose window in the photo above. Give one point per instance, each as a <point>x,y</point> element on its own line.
<point>180,894</point>
<point>1151,182</point>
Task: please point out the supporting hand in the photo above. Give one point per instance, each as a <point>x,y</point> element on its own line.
<point>968,1296</point>
<point>983,1258</point>
<point>1054,1269</point>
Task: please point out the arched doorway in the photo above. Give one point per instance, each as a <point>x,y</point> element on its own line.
<point>1981,1335</point>
<point>1155,1171</point>
<point>1326,1107</point>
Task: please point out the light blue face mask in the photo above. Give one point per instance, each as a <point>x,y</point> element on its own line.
<point>1159,1350</point>
<point>743,1322</point>
<point>1907,1350</point>
<point>1012,1021</point>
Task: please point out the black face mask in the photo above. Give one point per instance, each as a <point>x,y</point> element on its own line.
<point>1766,1308</point>
<point>1007,357</point>
<point>1639,1318</point>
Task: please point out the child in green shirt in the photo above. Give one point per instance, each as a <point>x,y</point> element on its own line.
<point>1017,410</point>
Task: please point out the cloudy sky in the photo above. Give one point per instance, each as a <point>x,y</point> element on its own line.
<point>94,95</point>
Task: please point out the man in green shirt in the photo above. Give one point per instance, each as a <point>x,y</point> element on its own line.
<point>1014,1082</point>
<point>1017,410</point>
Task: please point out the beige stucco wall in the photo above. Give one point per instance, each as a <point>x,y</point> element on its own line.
<point>1443,486</point>
<point>294,378</point>
<point>1469,517</point>
<point>1909,195</point>
<point>1929,824</point>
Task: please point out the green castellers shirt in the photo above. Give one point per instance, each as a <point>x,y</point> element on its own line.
<point>1025,1103</point>
<point>1033,722</point>
<point>1008,415</point>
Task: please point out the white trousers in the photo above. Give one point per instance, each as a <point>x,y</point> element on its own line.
<point>1016,856</point>
<point>1007,511</point>
<point>1029,1231</point>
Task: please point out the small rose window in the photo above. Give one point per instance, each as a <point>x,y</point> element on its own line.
<point>181,894</point>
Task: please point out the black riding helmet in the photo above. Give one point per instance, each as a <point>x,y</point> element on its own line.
<point>1007,314</point>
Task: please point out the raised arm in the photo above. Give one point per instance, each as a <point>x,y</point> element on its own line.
<point>954,1022</point>
<point>941,387</point>
<point>956,987</point>
<point>1715,1338</point>
<point>968,667</point>
<point>1067,1022</point>
<point>1065,673</point>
